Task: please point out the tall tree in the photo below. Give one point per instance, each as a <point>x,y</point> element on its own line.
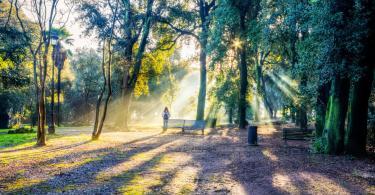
<point>247,13</point>
<point>180,18</point>
<point>356,133</point>
<point>98,125</point>
<point>338,100</point>
<point>130,78</point>
<point>131,37</point>
<point>45,12</point>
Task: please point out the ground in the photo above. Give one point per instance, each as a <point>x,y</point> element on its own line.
<point>148,161</point>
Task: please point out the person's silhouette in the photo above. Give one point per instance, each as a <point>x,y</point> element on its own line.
<point>165,116</point>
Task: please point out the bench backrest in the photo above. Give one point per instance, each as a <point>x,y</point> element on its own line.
<point>176,123</point>
<point>181,123</point>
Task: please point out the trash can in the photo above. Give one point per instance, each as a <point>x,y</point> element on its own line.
<point>252,135</point>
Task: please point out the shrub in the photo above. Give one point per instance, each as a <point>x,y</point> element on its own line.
<point>21,131</point>
<point>319,145</point>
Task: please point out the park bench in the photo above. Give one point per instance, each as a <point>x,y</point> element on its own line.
<point>187,124</point>
<point>297,134</point>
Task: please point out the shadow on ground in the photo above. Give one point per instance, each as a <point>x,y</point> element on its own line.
<point>219,162</point>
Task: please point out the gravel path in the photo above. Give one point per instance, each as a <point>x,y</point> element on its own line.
<point>147,161</point>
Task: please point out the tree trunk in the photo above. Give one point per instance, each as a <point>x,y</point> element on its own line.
<point>230,115</point>
<point>130,81</point>
<point>242,103</point>
<point>297,115</point>
<point>204,10</point>
<point>87,110</point>
<point>100,98</point>
<point>58,115</point>
<point>41,134</point>
<point>355,139</point>
<point>339,95</point>
<point>293,114</point>
<point>356,134</point>
<point>321,108</point>
<point>126,105</point>
<point>302,110</point>
<point>51,128</point>
<point>35,77</point>
<point>109,94</point>
<point>284,113</point>
<point>336,115</point>
<point>125,91</point>
<point>202,86</point>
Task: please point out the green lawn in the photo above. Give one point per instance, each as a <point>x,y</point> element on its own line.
<point>4,130</point>
<point>7,140</point>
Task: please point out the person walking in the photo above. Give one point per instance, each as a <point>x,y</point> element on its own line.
<point>165,116</point>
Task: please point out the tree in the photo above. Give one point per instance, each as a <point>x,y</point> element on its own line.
<point>195,23</point>
<point>86,65</point>
<point>239,15</point>
<point>356,133</point>
<point>59,55</point>
<point>98,125</point>
<point>14,65</point>
<point>45,18</point>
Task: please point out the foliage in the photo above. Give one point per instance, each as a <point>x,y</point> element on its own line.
<point>21,131</point>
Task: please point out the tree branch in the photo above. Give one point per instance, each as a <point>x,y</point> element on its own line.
<point>179,30</point>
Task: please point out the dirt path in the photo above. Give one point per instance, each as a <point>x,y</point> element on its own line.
<point>219,162</point>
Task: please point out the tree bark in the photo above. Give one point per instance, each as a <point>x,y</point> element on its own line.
<point>99,101</point>
<point>321,108</point>
<point>204,10</point>
<point>41,134</point>
<point>109,94</point>
<point>126,104</point>
<point>339,95</point>
<point>130,81</point>
<point>356,134</point>
<point>202,83</point>
<point>99,127</point>
<point>58,115</point>
<point>242,103</point>
<point>230,115</point>
<point>336,115</point>
<point>355,139</point>
<point>51,128</point>
<point>302,109</point>
<point>126,92</point>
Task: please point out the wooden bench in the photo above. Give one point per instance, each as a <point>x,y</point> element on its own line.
<point>297,134</point>
<point>187,124</point>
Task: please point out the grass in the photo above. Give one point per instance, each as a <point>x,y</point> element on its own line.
<point>7,140</point>
<point>4,130</point>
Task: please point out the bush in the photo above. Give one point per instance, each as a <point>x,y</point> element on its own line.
<point>319,145</point>
<point>21,131</point>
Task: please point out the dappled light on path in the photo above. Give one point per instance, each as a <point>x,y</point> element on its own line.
<point>134,161</point>
<point>148,161</point>
<point>268,153</point>
<point>284,183</point>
